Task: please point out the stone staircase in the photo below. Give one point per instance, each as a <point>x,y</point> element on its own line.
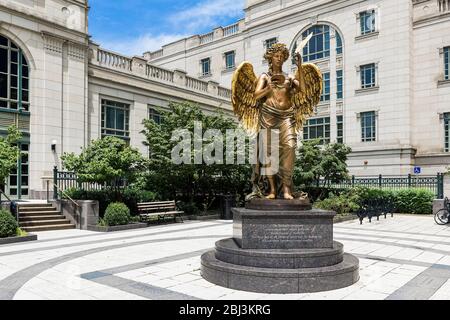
<point>36,217</point>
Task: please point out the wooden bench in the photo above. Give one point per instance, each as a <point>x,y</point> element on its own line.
<point>160,209</point>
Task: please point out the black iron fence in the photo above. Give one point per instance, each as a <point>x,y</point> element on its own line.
<point>65,180</point>
<point>432,183</point>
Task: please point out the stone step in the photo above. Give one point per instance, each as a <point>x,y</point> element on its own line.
<point>37,223</point>
<point>26,209</point>
<point>49,228</point>
<point>31,204</point>
<point>280,281</point>
<point>41,217</point>
<point>39,213</point>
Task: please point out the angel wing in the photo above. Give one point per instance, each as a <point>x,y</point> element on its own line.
<point>243,89</point>
<point>304,102</point>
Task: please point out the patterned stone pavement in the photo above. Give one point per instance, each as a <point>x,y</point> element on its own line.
<point>405,257</point>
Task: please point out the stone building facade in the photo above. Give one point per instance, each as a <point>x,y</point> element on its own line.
<point>63,91</point>
<point>386,69</point>
<point>385,64</point>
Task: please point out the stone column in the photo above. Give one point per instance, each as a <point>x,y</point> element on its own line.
<point>213,88</point>
<point>139,66</point>
<point>179,77</point>
<point>218,33</point>
<point>333,87</point>
<point>93,53</point>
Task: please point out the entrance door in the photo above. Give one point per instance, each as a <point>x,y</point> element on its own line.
<point>17,183</point>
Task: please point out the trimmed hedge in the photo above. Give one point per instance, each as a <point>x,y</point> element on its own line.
<point>130,197</point>
<point>117,214</point>
<point>8,224</point>
<point>415,201</point>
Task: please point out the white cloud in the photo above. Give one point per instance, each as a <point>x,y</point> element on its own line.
<point>137,46</point>
<point>207,14</point>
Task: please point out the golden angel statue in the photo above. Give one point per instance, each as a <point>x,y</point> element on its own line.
<point>277,102</point>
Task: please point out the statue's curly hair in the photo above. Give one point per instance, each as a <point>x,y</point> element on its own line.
<point>277,47</point>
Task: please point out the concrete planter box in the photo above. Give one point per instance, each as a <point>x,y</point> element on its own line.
<point>200,218</point>
<point>339,219</point>
<point>86,214</point>
<point>131,226</point>
<point>30,237</point>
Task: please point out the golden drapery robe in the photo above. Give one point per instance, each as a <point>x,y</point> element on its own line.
<point>276,124</point>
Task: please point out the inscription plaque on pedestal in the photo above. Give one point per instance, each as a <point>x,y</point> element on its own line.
<point>311,229</point>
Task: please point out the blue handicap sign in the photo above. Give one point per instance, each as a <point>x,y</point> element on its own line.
<point>417,170</point>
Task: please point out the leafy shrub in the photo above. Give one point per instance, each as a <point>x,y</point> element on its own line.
<point>128,196</point>
<point>318,193</point>
<point>189,208</point>
<point>365,195</point>
<point>117,214</point>
<point>8,224</point>
<point>415,201</point>
<point>343,204</point>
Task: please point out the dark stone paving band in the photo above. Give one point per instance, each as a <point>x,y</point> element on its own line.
<point>11,284</point>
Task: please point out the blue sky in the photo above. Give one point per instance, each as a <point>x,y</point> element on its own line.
<point>134,26</point>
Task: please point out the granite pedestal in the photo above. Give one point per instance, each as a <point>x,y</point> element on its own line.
<point>285,248</point>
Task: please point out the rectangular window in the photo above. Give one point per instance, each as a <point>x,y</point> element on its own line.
<point>446,63</point>
<point>340,84</point>
<point>447,131</point>
<point>340,129</point>
<point>367,22</point>
<point>270,42</point>
<point>154,115</point>
<point>230,60</point>
<point>326,87</point>
<point>115,119</point>
<point>206,66</point>
<point>368,126</point>
<point>317,129</point>
<point>368,77</point>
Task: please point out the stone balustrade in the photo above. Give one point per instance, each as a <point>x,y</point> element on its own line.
<point>230,30</point>
<point>197,40</point>
<point>209,37</point>
<point>139,66</point>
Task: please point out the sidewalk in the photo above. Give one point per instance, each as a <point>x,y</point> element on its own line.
<point>405,257</point>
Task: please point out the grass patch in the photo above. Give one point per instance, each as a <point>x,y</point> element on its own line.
<point>21,233</point>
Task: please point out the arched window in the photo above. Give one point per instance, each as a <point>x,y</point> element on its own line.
<point>319,45</point>
<point>14,77</point>
<point>338,43</point>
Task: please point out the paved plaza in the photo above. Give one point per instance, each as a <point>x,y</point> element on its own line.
<point>405,257</point>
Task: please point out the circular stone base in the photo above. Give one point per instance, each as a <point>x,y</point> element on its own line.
<point>279,204</point>
<point>228,251</point>
<point>283,281</point>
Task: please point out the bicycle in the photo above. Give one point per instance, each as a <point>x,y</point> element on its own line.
<point>442,216</point>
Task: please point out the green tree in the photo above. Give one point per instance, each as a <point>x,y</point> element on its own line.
<point>315,162</point>
<point>191,181</point>
<point>9,153</point>
<point>105,161</point>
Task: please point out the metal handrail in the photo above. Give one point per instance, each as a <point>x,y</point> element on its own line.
<point>3,193</point>
<point>64,193</point>
<point>11,206</point>
<point>68,197</point>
